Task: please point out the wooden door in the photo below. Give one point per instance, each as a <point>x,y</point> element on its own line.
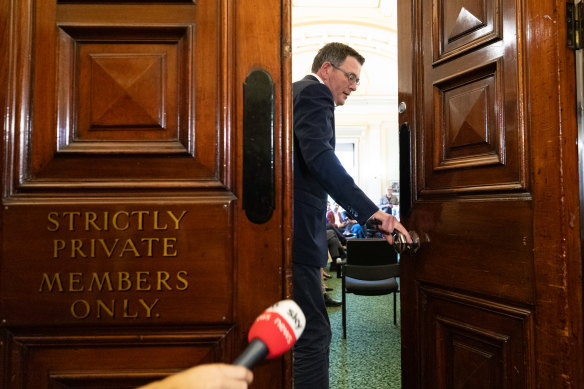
<point>493,298</point>
<point>126,251</point>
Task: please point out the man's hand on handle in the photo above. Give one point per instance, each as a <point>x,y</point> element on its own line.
<point>387,224</point>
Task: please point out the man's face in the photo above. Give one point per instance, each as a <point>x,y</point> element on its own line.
<point>338,82</point>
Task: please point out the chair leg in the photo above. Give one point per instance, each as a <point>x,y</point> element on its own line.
<point>344,308</point>
<point>394,308</point>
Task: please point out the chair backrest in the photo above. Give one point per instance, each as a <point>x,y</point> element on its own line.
<point>370,252</point>
<point>372,273</point>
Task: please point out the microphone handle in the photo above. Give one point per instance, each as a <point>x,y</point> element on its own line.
<point>254,352</point>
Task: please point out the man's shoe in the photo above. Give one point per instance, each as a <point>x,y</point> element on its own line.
<point>329,302</point>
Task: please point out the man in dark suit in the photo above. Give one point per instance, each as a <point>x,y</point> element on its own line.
<point>318,172</point>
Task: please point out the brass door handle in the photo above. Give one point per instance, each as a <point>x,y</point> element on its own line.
<point>400,244</point>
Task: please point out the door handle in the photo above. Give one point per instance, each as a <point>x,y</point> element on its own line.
<point>400,244</point>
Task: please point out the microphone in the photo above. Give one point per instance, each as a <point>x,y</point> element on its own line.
<point>273,333</point>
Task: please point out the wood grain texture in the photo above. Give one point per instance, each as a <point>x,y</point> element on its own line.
<point>495,196</point>
<point>557,245</point>
<point>129,255</point>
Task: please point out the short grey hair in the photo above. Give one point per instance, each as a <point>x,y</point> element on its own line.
<point>335,53</point>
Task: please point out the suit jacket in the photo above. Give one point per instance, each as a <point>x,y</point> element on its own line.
<point>318,172</point>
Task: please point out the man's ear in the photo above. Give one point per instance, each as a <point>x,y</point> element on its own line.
<point>324,71</point>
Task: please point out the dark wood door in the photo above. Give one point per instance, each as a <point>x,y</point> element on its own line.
<point>126,252</point>
<point>493,298</point>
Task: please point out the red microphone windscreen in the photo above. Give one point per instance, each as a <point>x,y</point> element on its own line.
<point>279,327</point>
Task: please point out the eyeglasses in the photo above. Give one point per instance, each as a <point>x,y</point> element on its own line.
<point>352,77</point>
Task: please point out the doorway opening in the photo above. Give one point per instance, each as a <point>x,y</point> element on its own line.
<point>367,133</point>
<point>369,118</point>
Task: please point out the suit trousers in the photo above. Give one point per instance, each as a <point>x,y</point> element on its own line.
<point>311,351</point>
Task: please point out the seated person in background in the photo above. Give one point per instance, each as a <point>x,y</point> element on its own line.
<point>338,232</point>
<point>330,217</point>
<point>335,248</point>
<point>335,217</point>
<point>341,220</point>
<point>356,229</point>
<point>352,228</point>
<point>388,200</point>
<point>328,300</point>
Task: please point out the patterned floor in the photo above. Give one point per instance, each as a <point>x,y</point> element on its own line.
<point>370,356</point>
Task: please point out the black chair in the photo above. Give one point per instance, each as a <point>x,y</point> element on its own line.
<point>371,269</point>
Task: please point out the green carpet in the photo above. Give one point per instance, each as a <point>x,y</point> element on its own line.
<point>370,356</point>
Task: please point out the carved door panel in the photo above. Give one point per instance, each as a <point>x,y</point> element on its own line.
<point>126,251</point>
<point>478,298</point>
